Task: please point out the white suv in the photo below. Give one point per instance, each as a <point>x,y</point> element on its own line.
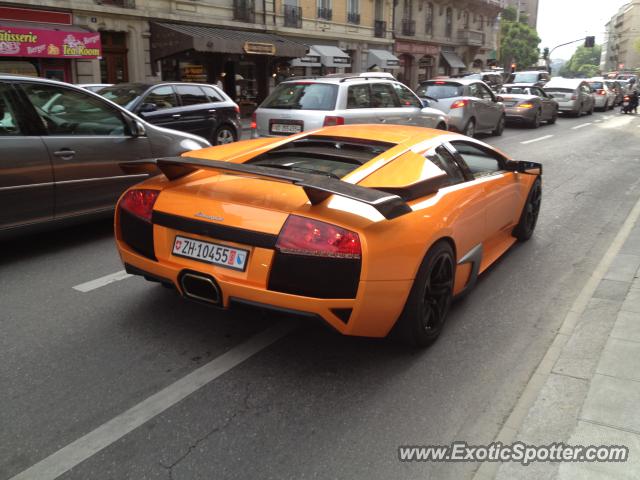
<point>369,98</point>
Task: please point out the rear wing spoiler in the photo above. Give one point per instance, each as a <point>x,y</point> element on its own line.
<point>317,187</point>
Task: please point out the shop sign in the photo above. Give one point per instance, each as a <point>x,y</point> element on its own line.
<point>310,59</point>
<point>341,60</point>
<point>257,48</point>
<point>33,42</point>
<point>392,63</point>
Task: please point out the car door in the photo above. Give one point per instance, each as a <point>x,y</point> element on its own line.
<point>502,189</point>
<point>87,139</point>
<point>26,172</point>
<point>358,105</point>
<point>160,106</point>
<point>386,105</point>
<point>548,105</point>
<point>492,109</point>
<point>198,114</point>
<point>412,108</point>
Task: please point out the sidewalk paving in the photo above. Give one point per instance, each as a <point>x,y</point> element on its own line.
<point>590,393</point>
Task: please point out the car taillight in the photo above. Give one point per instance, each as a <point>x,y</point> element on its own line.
<point>139,202</point>
<point>601,92</point>
<point>525,105</point>
<point>574,97</point>
<point>330,121</point>
<point>254,123</point>
<point>459,104</point>
<point>305,236</point>
<point>237,109</point>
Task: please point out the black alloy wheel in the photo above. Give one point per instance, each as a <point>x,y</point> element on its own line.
<point>535,123</point>
<point>223,135</point>
<point>470,128</point>
<point>530,212</point>
<point>500,127</point>
<point>425,312</point>
<point>553,118</point>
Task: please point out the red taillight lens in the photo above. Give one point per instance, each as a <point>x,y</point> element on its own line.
<point>459,104</point>
<point>525,105</point>
<point>237,109</point>
<point>601,92</point>
<point>305,236</point>
<point>254,123</point>
<point>330,121</point>
<point>626,98</point>
<point>139,202</point>
<point>574,97</point>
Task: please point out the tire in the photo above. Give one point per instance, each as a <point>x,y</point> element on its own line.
<point>500,127</point>
<point>529,216</point>
<point>590,112</point>
<point>442,126</point>
<point>425,312</point>
<point>535,123</point>
<point>223,135</point>
<point>470,128</point>
<point>553,118</point>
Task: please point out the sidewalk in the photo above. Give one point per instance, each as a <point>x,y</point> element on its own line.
<point>586,390</point>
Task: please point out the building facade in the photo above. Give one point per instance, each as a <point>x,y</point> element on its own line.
<point>620,48</point>
<point>527,7</point>
<point>444,37</point>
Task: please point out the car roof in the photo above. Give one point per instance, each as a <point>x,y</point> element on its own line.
<point>559,81</point>
<point>341,79</point>
<point>461,81</point>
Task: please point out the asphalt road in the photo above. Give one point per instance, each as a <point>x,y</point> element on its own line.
<point>312,404</point>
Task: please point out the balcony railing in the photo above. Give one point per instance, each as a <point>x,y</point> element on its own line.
<point>292,16</point>
<point>353,17</point>
<point>408,27</point>
<point>117,3</point>
<point>471,38</point>
<point>325,13</point>
<point>244,11</point>
<point>380,28</point>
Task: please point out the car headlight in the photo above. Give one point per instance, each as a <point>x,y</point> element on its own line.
<point>190,144</point>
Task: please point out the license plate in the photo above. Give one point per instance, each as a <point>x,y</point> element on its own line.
<point>625,104</point>
<point>221,255</point>
<point>285,128</point>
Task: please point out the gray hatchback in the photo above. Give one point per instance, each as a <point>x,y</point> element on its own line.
<point>61,149</point>
<point>306,104</point>
<point>471,105</point>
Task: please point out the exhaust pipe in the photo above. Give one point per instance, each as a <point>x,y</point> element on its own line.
<point>200,287</point>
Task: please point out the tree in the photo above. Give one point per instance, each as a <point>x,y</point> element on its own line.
<point>518,44</point>
<point>583,63</point>
<point>510,14</point>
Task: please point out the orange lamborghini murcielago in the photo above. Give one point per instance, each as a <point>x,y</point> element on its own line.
<point>370,228</point>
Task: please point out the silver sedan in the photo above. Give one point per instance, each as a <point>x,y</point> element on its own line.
<point>528,104</point>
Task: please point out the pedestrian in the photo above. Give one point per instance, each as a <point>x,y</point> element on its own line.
<point>220,82</point>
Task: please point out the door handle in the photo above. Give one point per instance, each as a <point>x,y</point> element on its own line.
<point>176,115</point>
<point>212,110</point>
<point>382,120</point>
<point>65,153</point>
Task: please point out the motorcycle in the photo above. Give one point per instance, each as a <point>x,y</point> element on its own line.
<point>629,104</point>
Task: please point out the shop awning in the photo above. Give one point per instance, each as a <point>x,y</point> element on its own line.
<point>331,56</point>
<point>382,59</point>
<point>38,40</point>
<point>172,38</point>
<point>453,60</point>
<point>309,60</point>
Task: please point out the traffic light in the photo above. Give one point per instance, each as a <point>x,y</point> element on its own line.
<point>589,42</point>
<point>513,67</point>
<point>545,53</point>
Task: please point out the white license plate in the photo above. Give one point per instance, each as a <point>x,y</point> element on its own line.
<point>222,255</point>
<point>286,128</point>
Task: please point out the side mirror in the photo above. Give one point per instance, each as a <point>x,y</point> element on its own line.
<point>499,98</point>
<point>136,128</point>
<point>530,168</point>
<point>147,107</point>
<point>425,103</point>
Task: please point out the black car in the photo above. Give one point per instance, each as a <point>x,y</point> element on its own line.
<point>200,109</point>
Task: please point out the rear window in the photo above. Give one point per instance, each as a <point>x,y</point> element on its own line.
<point>525,77</point>
<point>302,96</point>
<point>439,90</point>
<point>596,85</point>
<point>333,157</point>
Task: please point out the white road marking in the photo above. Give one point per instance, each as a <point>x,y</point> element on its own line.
<point>606,117</point>
<point>537,139</point>
<point>580,126</point>
<point>83,448</point>
<point>102,281</point>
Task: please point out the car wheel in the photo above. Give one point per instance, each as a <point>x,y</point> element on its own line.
<point>428,303</point>
<point>500,127</point>
<point>553,118</point>
<point>442,126</point>
<point>590,112</point>
<point>530,212</point>
<point>470,128</point>
<point>535,123</point>
<point>223,135</point>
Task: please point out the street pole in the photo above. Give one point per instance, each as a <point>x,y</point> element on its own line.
<point>558,46</point>
<point>518,12</point>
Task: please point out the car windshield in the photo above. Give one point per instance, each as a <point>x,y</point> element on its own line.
<point>596,85</point>
<point>440,90</point>
<point>525,77</point>
<point>302,96</point>
<point>123,95</point>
